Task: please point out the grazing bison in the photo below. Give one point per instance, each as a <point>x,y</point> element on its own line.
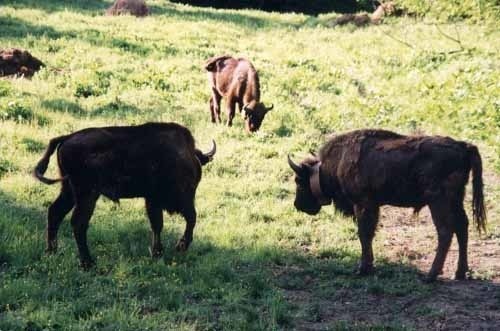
<point>361,170</point>
<point>237,81</point>
<point>156,161</point>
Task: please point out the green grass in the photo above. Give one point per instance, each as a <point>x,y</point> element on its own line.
<point>251,247</point>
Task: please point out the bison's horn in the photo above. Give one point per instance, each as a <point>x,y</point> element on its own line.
<point>313,153</point>
<point>295,167</point>
<point>211,153</point>
<point>270,108</point>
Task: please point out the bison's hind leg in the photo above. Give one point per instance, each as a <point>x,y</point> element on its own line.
<point>442,217</point>
<point>155,215</point>
<point>57,211</point>
<point>189,214</point>
<point>215,100</point>
<point>461,229</point>
<point>84,208</point>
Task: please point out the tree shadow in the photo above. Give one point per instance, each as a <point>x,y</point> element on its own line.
<point>115,109</point>
<point>64,106</point>
<point>112,109</point>
<point>314,7</point>
<point>16,28</point>
<point>197,14</point>
<point>59,5</point>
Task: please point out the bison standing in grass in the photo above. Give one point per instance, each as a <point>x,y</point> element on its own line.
<point>237,81</point>
<point>155,161</point>
<point>362,170</point>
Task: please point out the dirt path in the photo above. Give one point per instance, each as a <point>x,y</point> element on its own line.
<point>449,305</point>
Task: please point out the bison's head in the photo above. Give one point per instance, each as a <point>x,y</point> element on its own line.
<point>305,200</point>
<point>254,115</point>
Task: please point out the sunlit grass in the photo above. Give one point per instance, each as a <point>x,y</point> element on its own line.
<point>122,70</point>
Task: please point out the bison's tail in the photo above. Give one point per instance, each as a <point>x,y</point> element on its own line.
<point>478,210</point>
<point>42,165</point>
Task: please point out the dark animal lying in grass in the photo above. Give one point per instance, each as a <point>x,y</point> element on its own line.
<point>128,7</point>
<point>365,19</point>
<point>156,161</point>
<point>15,61</point>
<point>362,170</point>
<point>237,81</point>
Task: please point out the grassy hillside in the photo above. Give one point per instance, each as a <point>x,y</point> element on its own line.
<point>255,262</point>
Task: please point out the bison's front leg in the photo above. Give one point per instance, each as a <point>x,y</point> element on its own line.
<point>367,218</point>
<point>84,209</point>
<point>57,210</point>
<point>231,110</point>
<point>155,215</point>
<point>187,238</point>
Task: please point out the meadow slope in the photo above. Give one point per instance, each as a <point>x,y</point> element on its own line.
<point>255,263</point>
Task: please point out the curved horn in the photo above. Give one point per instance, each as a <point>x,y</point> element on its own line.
<point>210,154</point>
<point>295,167</point>
<point>313,153</point>
<point>270,108</point>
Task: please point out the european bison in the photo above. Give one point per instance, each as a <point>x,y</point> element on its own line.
<point>137,8</point>
<point>14,61</point>
<point>237,81</point>
<point>361,170</point>
<point>156,161</point>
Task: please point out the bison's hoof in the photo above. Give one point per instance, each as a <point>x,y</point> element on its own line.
<point>430,278</point>
<point>156,252</point>
<point>182,245</point>
<point>462,275</point>
<point>365,270</point>
<point>51,248</point>
<point>87,264</point>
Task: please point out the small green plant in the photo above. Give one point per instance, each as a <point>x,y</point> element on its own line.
<point>15,111</point>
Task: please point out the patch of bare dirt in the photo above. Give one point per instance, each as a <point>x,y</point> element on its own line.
<point>405,239</point>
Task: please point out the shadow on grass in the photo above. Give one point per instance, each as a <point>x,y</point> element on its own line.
<point>64,106</point>
<point>58,5</point>
<point>197,14</point>
<point>112,109</point>
<point>312,7</point>
<point>17,28</point>
<point>12,27</point>
<point>258,286</point>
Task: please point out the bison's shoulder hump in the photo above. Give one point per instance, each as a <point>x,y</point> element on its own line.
<point>211,64</point>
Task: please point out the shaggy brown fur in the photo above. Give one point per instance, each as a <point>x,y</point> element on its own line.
<point>362,170</point>
<point>365,19</point>
<point>15,61</point>
<point>237,81</point>
<point>128,7</point>
<point>155,161</point>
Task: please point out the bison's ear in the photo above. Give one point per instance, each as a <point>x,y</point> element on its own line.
<point>246,109</point>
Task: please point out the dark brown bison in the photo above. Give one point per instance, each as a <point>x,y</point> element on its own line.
<point>237,81</point>
<point>362,170</point>
<point>132,7</point>
<point>155,161</point>
<point>15,61</point>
